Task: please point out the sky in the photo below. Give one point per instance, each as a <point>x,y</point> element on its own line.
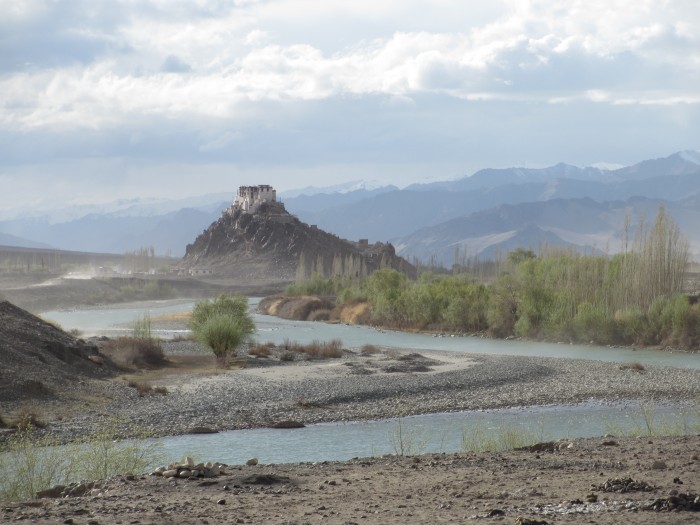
<point>103,100</point>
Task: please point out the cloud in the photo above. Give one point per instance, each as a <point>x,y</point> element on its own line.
<point>302,83</point>
<point>109,68</point>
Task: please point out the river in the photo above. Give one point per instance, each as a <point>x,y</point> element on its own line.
<point>427,433</point>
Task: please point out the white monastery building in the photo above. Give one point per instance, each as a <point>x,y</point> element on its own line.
<point>250,198</point>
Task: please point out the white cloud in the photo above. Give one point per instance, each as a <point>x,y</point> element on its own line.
<point>525,52</point>
<point>313,83</point>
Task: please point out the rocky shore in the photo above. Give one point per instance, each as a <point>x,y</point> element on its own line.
<point>601,481</point>
<point>385,384</point>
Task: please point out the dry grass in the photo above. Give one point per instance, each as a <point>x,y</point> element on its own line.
<point>145,388</point>
<point>134,352</point>
<point>355,313</point>
<point>183,317</point>
<point>27,417</point>
<point>261,350</point>
<point>369,349</point>
<point>320,315</point>
<point>318,350</point>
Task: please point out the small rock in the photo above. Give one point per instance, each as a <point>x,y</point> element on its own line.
<point>169,473</point>
<point>252,462</point>
<point>288,424</point>
<point>528,521</point>
<point>202,430</point>
<point>97,359</point>
<point>221,502</point>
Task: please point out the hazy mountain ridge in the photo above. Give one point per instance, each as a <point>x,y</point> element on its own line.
<point>583,224</point>
<point>12,240</point>
<point>115,233</point>
<point>396,214</point>
<point>361,210</point>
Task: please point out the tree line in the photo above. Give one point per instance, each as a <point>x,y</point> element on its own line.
<point>635,297</point>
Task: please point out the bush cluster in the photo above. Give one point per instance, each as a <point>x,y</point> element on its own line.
<point>134,352</point>
<point>635,297</point>
<point>36,462</point>
<point>222,325</point>
<point>315,349</point>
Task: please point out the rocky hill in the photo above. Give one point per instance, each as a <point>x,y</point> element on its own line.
<point>272,244</point>
<point>40,361</point>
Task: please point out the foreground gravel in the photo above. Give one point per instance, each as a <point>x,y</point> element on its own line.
<point>358,387</point>
<point>592,481</point>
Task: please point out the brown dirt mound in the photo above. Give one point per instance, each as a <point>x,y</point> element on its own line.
<point>302,308</point>
<point>38,359</point>
<point>356,313</point>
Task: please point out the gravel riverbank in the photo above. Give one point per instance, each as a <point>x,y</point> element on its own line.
<point>387,384</point>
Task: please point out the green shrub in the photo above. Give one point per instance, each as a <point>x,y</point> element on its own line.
<point>480,439</point>
<point>587,322</point>
<point>32,463</point>
<point>222,325</point>
<point>317,284</point>
<point>221,335</point>
<point>104,453</point>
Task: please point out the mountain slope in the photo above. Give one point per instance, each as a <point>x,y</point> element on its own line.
<point>582,224</point>
<point>12,240</point>
<point>41,361</point>
<point>397,214</point>
<point>270,243</point>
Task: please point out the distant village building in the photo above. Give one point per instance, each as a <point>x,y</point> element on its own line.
<point>250,198</point>
<point>200,271</point>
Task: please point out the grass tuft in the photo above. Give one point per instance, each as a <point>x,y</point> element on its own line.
<point>145,388</point>
<point>318,350</point>
<point>261,350</point>
<point>369,349</point>
<point>134,352</point>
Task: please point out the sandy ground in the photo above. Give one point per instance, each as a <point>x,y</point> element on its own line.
<point>315,369</point>
<point>527,487</point>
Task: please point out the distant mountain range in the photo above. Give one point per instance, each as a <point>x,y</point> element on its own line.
<point>492,210</point>
<point>12,240</point>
